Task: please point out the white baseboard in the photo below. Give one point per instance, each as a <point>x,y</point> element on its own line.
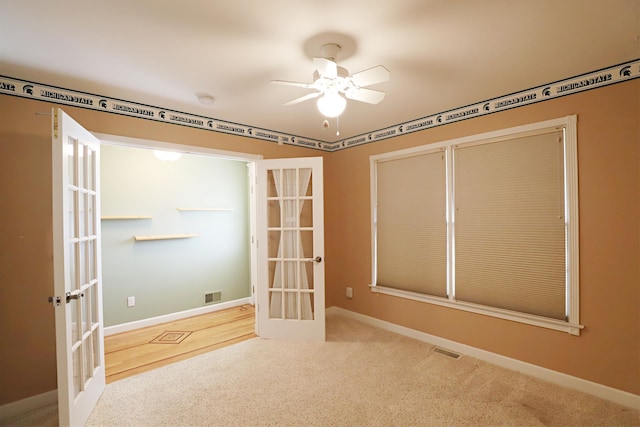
<point>130,326</point>
<point>19,407</point>
<point>604,392</point>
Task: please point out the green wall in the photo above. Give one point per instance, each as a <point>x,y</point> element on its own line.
<point>167,276</point>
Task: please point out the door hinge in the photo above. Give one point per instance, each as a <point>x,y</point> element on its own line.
<point>55,125</point>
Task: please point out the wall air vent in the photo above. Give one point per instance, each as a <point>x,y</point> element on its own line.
<point>211,297</point>
<point>447,353</point>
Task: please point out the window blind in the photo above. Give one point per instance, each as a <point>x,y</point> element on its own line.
<point>411,233</point>
<point>509,224</point>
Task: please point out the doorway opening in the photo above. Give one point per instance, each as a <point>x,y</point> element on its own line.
<point>177,246</point>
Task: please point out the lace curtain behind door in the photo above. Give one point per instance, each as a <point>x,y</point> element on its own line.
<point>290,269</point>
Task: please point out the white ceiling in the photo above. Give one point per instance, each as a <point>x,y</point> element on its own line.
<point>442,54</point>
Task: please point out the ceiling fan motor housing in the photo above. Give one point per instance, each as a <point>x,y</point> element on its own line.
<point>330,51</point>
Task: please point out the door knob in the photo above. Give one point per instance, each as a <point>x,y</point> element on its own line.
<point>74,295</point>
<point>316,259</point>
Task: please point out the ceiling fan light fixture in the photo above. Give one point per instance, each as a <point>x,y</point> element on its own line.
<point>331,104</point>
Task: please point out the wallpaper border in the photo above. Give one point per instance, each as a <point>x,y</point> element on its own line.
<point>592,80</point>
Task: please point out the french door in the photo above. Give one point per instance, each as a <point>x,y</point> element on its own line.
<point>76,268</point>
<point>290,290</point>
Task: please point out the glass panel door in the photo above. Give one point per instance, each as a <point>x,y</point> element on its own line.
<point>290,208</point>
<point>79,333</point>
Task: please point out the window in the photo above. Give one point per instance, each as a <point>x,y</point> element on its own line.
<point>486,224</point>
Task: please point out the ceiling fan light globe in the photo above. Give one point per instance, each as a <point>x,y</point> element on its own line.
<point>331,105</point>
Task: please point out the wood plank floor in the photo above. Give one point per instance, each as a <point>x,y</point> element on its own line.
<point>134,352</point>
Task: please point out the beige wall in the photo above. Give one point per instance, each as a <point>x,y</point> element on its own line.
<point>608,352</point>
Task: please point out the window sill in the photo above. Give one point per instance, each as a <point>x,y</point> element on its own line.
<point>544,322</point>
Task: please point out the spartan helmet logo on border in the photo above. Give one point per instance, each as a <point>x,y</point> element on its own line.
<point>625,71</point>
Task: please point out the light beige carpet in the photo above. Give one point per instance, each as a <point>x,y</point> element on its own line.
<point>362,376</point>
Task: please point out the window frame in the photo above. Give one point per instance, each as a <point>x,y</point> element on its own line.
<point>568,125</point>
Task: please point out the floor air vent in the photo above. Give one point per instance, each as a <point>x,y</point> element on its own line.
<point>447,353</point>
<point>211,297</point>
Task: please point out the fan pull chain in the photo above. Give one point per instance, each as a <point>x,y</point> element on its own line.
<point>325,125</point>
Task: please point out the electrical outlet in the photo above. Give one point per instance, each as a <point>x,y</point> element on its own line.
<point>131,301</point>
<point>349,292</point>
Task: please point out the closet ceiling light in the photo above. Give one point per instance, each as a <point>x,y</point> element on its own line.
<point>167,156</point>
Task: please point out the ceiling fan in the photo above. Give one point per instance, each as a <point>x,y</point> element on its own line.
<point>335,83</point>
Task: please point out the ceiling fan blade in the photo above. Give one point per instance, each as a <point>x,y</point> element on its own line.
<point>365,95</point>
<point>286,83</point>
<point>377,74</point>
<point>304,98</point>
<point>326,67</point>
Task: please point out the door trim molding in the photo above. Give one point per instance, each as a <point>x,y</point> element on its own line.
<point>126,141</point>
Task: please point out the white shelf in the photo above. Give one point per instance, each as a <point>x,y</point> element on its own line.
<point>164,237</point>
